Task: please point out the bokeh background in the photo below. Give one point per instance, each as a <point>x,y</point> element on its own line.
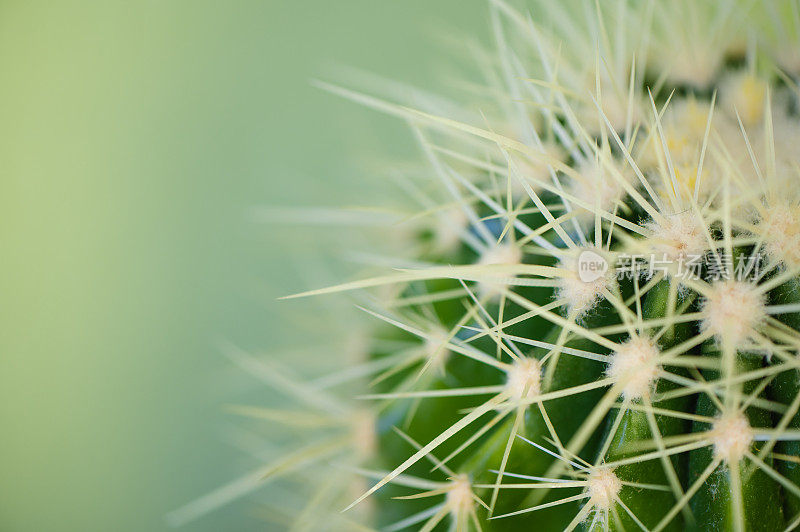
<point>136,140</point>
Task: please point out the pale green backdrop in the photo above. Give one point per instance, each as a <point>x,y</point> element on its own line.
<point>134,137</point>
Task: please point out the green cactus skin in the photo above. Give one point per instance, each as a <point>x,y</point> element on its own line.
<point>712,506</point>
<point>635,426</point>
<point>786,389</point>
<point>565,415</point>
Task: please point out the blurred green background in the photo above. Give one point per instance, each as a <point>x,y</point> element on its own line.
<point>134,139</point>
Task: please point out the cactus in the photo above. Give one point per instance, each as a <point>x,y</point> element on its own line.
<point>595,322</point>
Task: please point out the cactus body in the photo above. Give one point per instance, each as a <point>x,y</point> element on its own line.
<point>579,340</point>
